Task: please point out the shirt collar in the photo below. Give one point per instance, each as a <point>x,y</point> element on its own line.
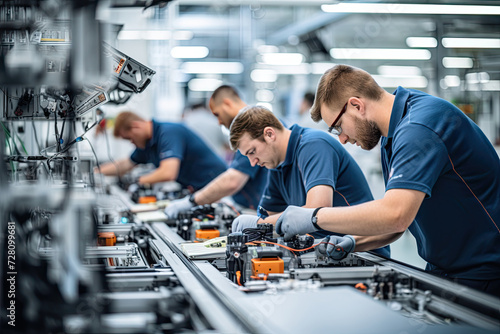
<point>398,109</point>
<point>293,142</point>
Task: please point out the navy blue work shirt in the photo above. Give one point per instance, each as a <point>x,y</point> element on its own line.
<point>313,158</point>
<point>199,164</point>
<point>249,196</point>
<point>433,147</point>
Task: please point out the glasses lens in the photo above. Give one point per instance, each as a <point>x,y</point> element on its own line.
<point>335,130</point>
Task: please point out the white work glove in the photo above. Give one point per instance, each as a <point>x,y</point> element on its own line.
<point>179,205</point>
<point>295,220</point>
<point>337,247</point>
<point>244,221</point>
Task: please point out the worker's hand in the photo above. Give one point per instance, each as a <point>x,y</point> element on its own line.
<point>179,205</point>
<point>244,221</point>
<point>295,220</point>
<point>337,247</point>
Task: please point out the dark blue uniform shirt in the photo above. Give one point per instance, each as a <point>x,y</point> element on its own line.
<point>249,196</point>
<point>199,164</point>
<point>313,158</point>
<point>433,147</point>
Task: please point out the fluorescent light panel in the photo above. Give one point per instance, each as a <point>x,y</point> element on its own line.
<point>475,78</point>
<point>393,81</point>
<point>472,43</point>
<point>452,80</point>
<point>204,84</point>
<point>398,8</point>
<point>399,70</point>
<point>263,75</point>
<point>457,62</point>
<point>421,42</point>
<point>189,52</point>
<point>213,67</point>
<point>491,86</point>
<point>154,35</point>
<point>394,54</point>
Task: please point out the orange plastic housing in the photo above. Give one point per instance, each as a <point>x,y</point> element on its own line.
<point>203,235</point>
<point>271,265</point>
<point>106,238</point>
<point>147,199</point>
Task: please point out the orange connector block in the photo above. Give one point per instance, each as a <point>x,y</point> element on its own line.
<point>271,265</point>
<point>204,235</point>
<point>106,239</point>
<point>146,199</point>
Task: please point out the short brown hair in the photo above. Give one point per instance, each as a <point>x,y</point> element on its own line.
<point>340,83</point>
<point>252,120</point>
<point>225,91</point>
<point>124,122</point>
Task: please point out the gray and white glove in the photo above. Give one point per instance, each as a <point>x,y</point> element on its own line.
<point>244,221</point>
<point>179,205</point>
<point>295,220</point>
<point>337,247</point>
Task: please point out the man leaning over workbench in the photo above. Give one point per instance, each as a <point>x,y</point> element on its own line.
<point>308,167</point>
<point>442,177</point>
<point>176,151</point>
<point>245,183</point>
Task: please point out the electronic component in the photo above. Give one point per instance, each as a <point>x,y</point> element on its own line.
<point>106,239</point>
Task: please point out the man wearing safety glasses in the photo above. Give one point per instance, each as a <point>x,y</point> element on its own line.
<point>442,177</point>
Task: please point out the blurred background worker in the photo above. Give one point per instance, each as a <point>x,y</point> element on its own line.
<point>199,119</point>
<point>308,168</point>
<point>442,177</point>
<point>305,120</point>
<point>177,152</point>
<point>241,180</point>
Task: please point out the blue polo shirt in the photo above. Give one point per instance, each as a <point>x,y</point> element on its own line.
<point>433,147</point>
<point>313,158</point>
<point>249,196</point>
<point>199,164</point>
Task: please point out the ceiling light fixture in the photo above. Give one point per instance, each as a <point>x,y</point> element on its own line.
<point>457,62</point>
<point>189,52</point>
<point>204,84</point>
<point>212,67</point>
<point>154,35</point>
<point>394,54</point>
<point>399,8</point>
<point>421,42</point>
<point>473,43</point>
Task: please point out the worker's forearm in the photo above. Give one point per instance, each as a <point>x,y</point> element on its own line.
<point>119,167</point>
<point>370,218</point>
<point>365,243</point>
<point>226,184</point>
<point>156,176</point>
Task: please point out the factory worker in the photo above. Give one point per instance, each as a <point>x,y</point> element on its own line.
<point>177,152</point>
<point>308,167</point>
<point>442,177</point>
<point>241,180</point>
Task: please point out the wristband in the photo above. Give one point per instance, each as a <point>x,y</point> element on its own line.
<point>314,219</point>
